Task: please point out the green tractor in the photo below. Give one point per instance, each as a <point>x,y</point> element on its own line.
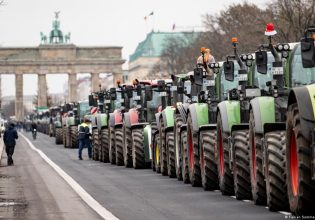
<point>138,121</point>
<point>300,129</point>
<point>56,123</point>
<point>267,127</point>
<point>71,120</point>
<point>281,137</point>
<point>232,145</point>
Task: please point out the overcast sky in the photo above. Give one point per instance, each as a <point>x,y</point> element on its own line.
<point>95,22</point>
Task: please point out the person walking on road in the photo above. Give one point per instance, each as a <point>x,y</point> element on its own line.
<point>9,137</point>
<point>84,138</point>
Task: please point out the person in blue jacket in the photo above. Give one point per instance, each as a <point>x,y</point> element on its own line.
<point>9,137</point>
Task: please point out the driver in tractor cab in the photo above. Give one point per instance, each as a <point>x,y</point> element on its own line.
<point>205,59</point>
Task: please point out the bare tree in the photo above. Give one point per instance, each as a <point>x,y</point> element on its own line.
<point>292,17</point>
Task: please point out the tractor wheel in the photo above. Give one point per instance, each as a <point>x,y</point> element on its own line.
<point>127,147</point>
<point>112,151</point>
<point>171,154</point>
<point>225,175</point>
<point>184,149</point>
<point>193,152</point>
<point>68,138</point>
<point>301,187</point>
<point>138,157</point>
<point>105,145</point>
<point>74,137</point>
<point>241,170</point>
<point>64,136</point>
<point>208,160</point>
<point>119,146</point>
<point>163,149</point>
<point>177,141</point>
<point>256,164</point>
<point>58,136</point>
<point>95,144</point>
<point>275,171</point>
<point>157,153</point>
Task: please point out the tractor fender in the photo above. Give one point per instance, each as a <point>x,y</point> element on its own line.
<point>199,115</point>
<point>168,117</point>
<point>157,119</point>
<point>230,114</point>
<point>127,120</point>
<point>182,110</point>
<point>264,112</point>
<point>94,121</point>
<point>101,121</point>
<point>115,117</point>
<point>118,125</point>
<point>239,127</point>
<point>133,116</point>
<point>209,127</point>
<point>147,143</point>
<point>277,126</point>
<point>305,99</point>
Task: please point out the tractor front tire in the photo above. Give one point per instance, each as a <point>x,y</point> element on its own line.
<point>138,156</point>
<point>119,146</point>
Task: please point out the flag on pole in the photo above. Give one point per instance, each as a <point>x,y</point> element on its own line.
<point>147,16</point>
<point>173,27</point>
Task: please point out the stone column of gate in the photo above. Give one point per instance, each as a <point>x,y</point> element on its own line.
<point>95,81</point>
<point>42,91</point>
<point>19,108</point>
<point>72,84</point>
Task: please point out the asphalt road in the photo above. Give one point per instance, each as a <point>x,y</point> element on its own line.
<point>143,194</point>
<point>31,189</point>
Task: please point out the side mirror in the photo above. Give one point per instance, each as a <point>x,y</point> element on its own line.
<point>129,91</point>
<point>180,90</point>
<point>113,95</point>
<point>198,76</point>
<point>228,67</point>
<point>91,100</point>
<point>68,107</point>
<point>148,93</point>
<point>261,61</point>
<point>308,52</point>
<point>161,84</point>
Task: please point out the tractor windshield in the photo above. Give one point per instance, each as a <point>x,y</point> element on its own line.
<point>299,75</point>
<point>153,105</point>
<point>119,100</point>
<point>226,86</point>
<point>84,108</point>
<point>261,79</point>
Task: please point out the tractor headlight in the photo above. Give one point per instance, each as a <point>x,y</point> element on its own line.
<point>249,56</point>
<point>286,47</point>
<point>217,65</point>
<point>280,47</point>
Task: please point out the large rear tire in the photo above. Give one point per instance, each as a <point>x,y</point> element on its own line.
<point>193,152</point>
<point>95,143</point>
<point>112,151</point>
<point>59,136</point>
<point>277,196</point>
<point>241,170</point>
<point>225,175</point>
<point>171,154</point>
<point>64,138</point>
<point>105,145</point>
<point>163,149</point>
<point>119,146</point>
<point>256,164</point>
<point>184,147</point>
<point>208,160</point>
<point>138,155</point>
<point>74,136</point>
<point>301,188</point>
<point>177,143</point>
<point>127,147</point>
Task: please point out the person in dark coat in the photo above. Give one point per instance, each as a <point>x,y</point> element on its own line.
<point>9,137</point>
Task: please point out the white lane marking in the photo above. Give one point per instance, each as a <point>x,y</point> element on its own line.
<point>286,213</point>
<point>87,198</point>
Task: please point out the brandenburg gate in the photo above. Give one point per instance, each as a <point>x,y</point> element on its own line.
<point>57,56</point>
